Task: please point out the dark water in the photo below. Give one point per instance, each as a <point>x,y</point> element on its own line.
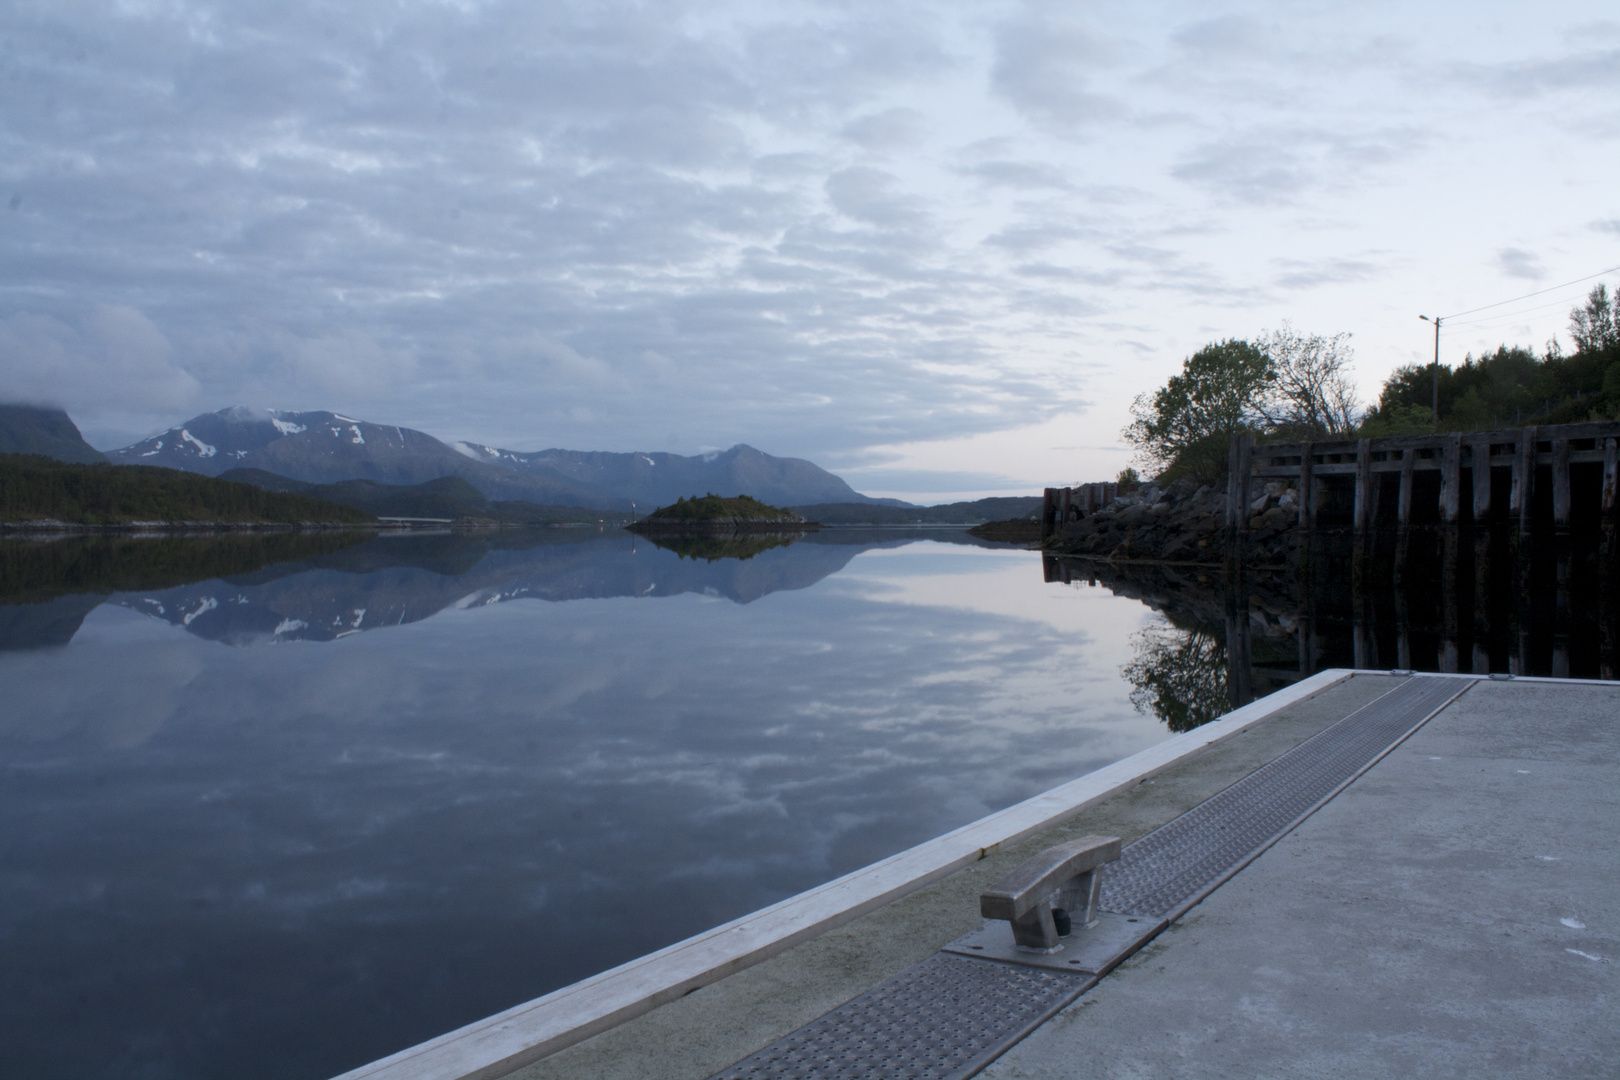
<point>274,807</point>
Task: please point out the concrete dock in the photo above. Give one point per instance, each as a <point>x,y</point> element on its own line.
<point>1451,912</point>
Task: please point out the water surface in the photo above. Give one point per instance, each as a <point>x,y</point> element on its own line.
<point>286,820</point>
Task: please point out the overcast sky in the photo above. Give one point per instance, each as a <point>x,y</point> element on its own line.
<point>937,248</point>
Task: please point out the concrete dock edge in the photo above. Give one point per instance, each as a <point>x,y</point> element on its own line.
<point>528,1032</point>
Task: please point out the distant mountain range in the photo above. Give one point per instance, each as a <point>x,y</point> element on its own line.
<point>326,448</point>
<point>32,429</point>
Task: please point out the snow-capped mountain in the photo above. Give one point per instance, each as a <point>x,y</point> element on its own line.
<point>659,478</point>
<point>325,447</point>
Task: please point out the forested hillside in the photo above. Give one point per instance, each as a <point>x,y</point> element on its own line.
<point>33,488</point>
<point>1514,386</point>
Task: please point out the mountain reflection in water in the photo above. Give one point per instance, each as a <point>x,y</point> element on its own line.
<point>248,836</point>
<point>250,588</point>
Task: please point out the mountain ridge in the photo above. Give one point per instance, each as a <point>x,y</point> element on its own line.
<point>322,447</point>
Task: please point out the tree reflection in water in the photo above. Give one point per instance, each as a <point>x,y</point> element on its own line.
<point>1178,675</point>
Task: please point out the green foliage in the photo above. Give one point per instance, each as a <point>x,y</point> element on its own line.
<point>1595,327</point>
<point>1184,426</point>
<point>714,548</point>
<point>1128,477</point>
<point>1178,675</point>
<point>33,570</point>
<point>33,488</point>
<point>1310,395</point>
<point>449,497</point>
<point>712,507</point>
<point>1513,386</point>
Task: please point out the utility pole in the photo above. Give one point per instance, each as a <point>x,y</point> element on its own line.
<point>1436,321</point>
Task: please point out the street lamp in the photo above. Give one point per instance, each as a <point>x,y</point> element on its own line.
<point>1436,321</point>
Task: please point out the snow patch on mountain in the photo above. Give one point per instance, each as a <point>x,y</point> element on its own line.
<point>203,449</point>
<point>208,604</point>
<point>287,427</point>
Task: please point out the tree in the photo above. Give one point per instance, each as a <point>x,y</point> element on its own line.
<point>1310,395</point>
<point>1183,427</point>
<point>1178,675</point>
<point>1595,327</point>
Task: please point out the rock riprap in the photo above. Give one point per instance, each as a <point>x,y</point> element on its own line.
<point>1182,522</point>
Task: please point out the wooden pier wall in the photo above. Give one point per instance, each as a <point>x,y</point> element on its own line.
<point>1479,464</point>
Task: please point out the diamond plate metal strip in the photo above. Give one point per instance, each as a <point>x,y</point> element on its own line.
<point>944,1019</point>
<point>1178,864</point>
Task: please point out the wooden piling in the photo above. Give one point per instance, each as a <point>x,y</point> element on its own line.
<point>1524,479</point>
<point>1479,463</point>
<point>1451,478</point>
<point>1560,482</point>
<point>1307,490</point>
<point>1403,502</point>
<point>1524,498</point>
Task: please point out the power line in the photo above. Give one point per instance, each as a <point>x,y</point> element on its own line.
<point>1529,311</point>
<point>1538,292</point>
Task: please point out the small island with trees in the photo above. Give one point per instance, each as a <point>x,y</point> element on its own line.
<point>713,515</point>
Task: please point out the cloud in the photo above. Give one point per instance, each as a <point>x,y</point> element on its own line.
<point>805,227</point>
<point>1518,263</point>
<point>112,355</point>
<point>1225,36</point>
<point>874,196</point>
<point>1271,165</point>
<point>892,129</point>
<point>1020,175</point>
<point>1044,68</point>
<point>1302,274</point>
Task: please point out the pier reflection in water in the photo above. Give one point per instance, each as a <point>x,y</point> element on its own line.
<point>1437,607</point>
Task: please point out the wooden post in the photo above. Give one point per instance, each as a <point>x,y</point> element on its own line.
<point>1231,485</point>
<point>1363,486</point>
<point>1307,490</point>
<point>1524,498</point>
<point>1450,478</point>
<point>1609,563</point>
<point>1305,546</point>
<point>1403,503</point>
<point>1480,464</point>
<point>1524,479</point>
<point>1560,482</point>
<point>1611,476</point>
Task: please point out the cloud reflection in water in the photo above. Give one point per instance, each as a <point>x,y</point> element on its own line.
<point>293,859</point>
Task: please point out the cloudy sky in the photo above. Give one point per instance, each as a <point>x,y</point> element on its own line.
<point>937,248</point>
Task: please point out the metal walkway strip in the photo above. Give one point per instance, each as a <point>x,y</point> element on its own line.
<point>945,1018</point>
<point>1178,864</point>
<point>951,1015</point>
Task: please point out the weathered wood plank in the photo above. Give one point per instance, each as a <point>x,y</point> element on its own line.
<point>1307,489</point>
<point>1363,485</point>
<point>1560,482</point>
<point>1451,478</point>
<point>1611,474</point>
<point>1480,471</point>
<point>1403,502</point>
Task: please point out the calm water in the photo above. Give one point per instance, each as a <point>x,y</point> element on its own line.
<point>281,819</point>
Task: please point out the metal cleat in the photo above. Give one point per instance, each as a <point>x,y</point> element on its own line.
<point>1050,892</point>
